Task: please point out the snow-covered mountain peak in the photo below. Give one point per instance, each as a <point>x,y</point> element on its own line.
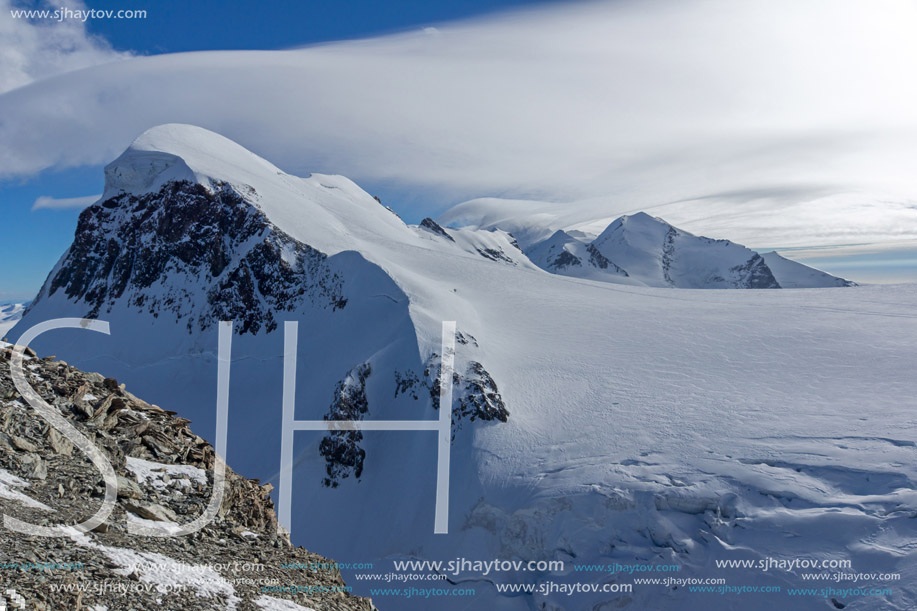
<point>199,230</point>
<point>175,152</point>
<point>329,212</point>
<point>193,226</point>
<point>636,249</point>
<point>640,219</point>
<point>640,230</point>
<point>658,254</point>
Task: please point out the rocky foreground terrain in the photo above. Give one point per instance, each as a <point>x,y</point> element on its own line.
<point>242,560</point>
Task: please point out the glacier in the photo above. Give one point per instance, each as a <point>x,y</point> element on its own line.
<point>603,422</point>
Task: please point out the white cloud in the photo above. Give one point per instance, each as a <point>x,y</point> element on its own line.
<point>638,102</point>
<point>46,201</point>
<point>33,49</point>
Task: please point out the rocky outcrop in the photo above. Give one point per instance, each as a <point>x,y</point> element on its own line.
<point>495,254</point>
<point>479,398</point>
<point>341,449</point>
<point>475,397</point>
<point>242,560</point>
<point>434,227</point>
<point>755,274</point>
<point>565,259</point>
<point>599,260</point>
<point>223,259</point>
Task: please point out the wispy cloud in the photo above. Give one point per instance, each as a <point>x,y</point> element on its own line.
<point>46,201</point>
<point>33,49</point>
<point>641,103</point>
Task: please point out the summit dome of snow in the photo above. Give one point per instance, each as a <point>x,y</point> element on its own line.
<point>174,152</point>
<point>328,212</point>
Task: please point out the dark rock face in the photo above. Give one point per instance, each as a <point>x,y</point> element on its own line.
<point>54,483</point>
<point>407,383</point>
<point>431,225</point>
<point>513,241</point>
<point>601,261</point>
<point>565,259</point>
<point>475,392</point>
<point>264,275</point>
<point>466,339</point>
<point>341,449</point>
<point>495,254</point>
<point>755,274</point>
<point>475,397</point>
<point>155,251</point>
<point>668,254</point>
<point>480,399</point>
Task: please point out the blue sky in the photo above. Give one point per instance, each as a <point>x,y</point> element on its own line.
<point>36,239</point>
<point>215,24</point>
<point>802,115</point>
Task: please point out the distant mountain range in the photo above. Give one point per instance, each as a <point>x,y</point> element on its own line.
<point>642,250</point>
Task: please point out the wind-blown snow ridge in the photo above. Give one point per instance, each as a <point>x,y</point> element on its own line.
<point>175,152</point>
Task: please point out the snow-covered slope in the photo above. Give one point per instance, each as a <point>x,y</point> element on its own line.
<point>563,254</point>
<point>10,313</point>
<point>595,422</point>
<point>792,275</point>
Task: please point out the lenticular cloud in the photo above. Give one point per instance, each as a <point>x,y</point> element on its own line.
<point>638,103</point>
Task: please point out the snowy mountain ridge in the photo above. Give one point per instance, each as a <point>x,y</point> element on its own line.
<point>194,229</point>
<point>594,422</point>
<point>642,250</point>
